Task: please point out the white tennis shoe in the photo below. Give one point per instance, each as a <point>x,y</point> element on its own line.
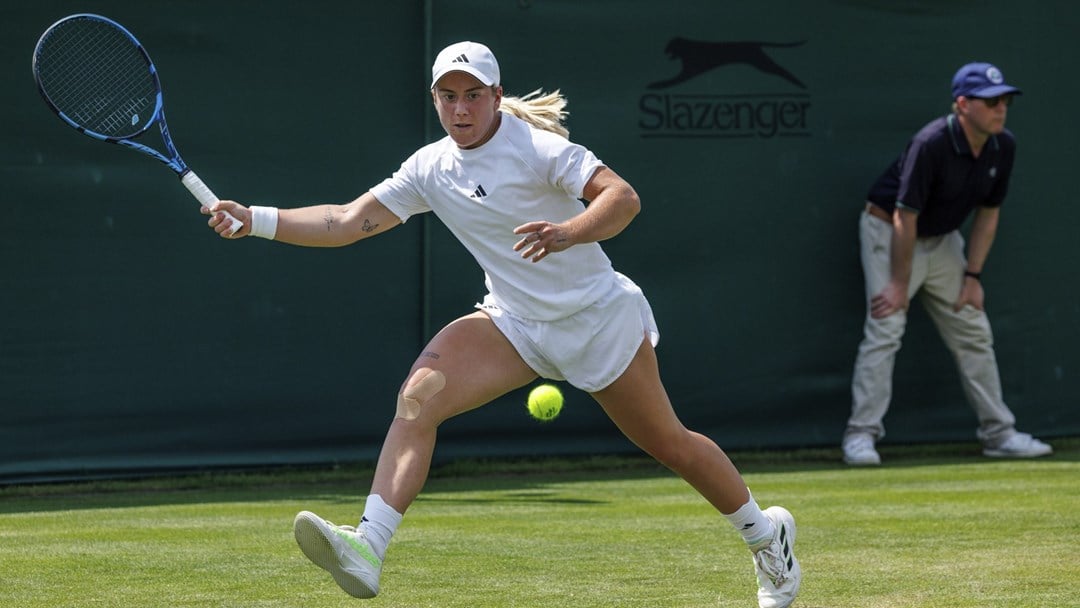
<point>340,550</point>
<point>859,450</point>
<point>1020,445</point>
<point>778,572</point>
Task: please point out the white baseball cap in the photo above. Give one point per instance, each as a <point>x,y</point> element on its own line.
<point>469,57</point>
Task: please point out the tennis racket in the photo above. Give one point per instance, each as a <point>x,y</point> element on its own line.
<point>96,77</point>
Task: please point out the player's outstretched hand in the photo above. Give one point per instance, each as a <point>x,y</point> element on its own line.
<point>222,225</point>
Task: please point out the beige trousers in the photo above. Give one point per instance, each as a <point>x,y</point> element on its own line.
<point>937,274</point>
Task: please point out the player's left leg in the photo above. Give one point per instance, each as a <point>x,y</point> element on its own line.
<point>639,405</point>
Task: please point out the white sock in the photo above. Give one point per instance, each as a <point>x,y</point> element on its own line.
<point>751,522</point>
<point>379,523</point>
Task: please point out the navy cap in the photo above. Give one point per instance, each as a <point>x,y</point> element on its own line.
<point>980,80</point>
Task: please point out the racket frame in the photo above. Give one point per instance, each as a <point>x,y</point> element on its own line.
<point>174,161</point>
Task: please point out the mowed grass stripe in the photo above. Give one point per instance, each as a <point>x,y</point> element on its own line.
<point>924,530</point>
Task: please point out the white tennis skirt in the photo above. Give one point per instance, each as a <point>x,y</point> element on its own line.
<point>591,348</point>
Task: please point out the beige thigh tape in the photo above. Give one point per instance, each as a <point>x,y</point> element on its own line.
<point>424,384</point>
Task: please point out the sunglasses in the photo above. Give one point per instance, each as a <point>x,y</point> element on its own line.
<point>992,102</point>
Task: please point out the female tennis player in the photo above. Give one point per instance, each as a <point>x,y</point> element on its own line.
<point>508,183</point>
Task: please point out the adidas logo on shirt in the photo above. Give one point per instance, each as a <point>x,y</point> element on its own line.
<point>479,192</point>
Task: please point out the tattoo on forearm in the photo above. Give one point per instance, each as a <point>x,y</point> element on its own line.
<point>328,218</point>
<point>430,355</point>
<point>368,226</point>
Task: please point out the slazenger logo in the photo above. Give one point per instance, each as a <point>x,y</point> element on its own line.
<point>724,114</point>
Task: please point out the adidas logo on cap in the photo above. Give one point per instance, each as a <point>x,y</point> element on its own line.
<point>470,57</point>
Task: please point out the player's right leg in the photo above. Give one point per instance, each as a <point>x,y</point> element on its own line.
<point>466,365</point>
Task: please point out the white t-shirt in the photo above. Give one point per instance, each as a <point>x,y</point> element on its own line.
<point>520,175</point>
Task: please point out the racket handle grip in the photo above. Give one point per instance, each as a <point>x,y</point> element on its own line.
<point>205,196</point>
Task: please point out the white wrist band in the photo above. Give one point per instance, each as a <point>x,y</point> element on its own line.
<point>264,222</point>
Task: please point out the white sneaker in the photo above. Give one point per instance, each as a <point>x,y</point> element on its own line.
<point>778,572</point>
<point>1020,445</point>
<point>340,550</point>
<point>859,450</point>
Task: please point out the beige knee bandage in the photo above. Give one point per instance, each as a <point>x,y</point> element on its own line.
<point>422,386</point>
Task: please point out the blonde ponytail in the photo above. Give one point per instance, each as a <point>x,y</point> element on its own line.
<point>543,111</point>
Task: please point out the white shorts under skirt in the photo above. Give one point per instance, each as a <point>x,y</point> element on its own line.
<point>589,349</point>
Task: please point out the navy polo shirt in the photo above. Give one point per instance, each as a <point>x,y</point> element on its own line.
<point>938,177</point>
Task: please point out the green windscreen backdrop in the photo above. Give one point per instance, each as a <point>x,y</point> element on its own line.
<point>134,340</point>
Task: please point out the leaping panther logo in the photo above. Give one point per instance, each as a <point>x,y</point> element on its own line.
<point>699,57</point>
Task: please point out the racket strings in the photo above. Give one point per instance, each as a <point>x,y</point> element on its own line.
<point>98,76</point>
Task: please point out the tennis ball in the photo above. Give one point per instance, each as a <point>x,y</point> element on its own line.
<point>545,402</point>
